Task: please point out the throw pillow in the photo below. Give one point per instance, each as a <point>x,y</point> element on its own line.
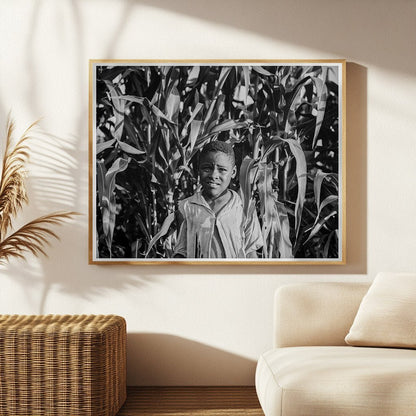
<point>386,316</point>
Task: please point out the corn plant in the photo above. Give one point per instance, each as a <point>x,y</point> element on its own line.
<point>152,122</point>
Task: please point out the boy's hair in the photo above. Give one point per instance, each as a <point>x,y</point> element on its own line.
<point>217,146</point>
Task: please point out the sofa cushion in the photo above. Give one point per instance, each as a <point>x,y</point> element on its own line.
<point>386,316</point>
<point>342,380</point>
<point>315,313</point>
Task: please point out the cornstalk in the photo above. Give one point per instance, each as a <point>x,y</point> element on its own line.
<point>285,175</point>
<point>154,211</point>
<point>256,149</point>
<point>276,159</point>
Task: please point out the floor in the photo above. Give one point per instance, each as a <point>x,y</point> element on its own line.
<point>187,401</point>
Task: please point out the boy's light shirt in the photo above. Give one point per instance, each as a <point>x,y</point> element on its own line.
<point>237,236</point>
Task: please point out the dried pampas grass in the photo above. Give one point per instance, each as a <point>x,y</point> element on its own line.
<point>33,236</point>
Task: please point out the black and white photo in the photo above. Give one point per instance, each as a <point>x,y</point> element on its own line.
<point>217,162</point>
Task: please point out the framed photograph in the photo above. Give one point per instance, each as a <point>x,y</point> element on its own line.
<point>217,162</point>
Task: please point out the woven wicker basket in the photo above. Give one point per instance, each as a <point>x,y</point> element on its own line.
<point>71,365</point>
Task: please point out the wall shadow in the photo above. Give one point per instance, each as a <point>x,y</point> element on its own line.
<point>52,187</point>
<point>168,360</point>
<point>356,143</point>
<point>55,183</point>
<point>335,28</point>
<point>66,277</point>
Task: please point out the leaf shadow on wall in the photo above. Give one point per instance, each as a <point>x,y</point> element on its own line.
<point>52,186</point>
<point>163,359</point>
<point>59,180</point>
<point>381,36</point>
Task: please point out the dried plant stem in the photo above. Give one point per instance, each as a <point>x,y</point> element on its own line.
<point>33,236</point>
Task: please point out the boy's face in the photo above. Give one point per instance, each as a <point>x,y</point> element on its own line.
<point>215,171</point>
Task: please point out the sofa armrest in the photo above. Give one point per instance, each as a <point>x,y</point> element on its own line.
<point>315,313</point>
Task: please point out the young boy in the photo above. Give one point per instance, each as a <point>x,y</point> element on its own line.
<point>212,220</point>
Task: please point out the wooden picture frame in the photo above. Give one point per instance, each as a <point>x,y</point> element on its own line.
<point>285,121</point>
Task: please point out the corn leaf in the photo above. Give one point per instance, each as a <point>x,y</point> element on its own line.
<point>225,71</point>
<point>101,171</point>
<point>228,125</point>
<point>246,82</point>
<point>262,71</point>
<point>133,134</point>
<point>331,235</point>
<point>195,112</point>
<point>104,145</point>
<point>266,199</point>
<point>172,105</point>
<point>193,75</point>
<point>163,231</point>
<point>108,202</point>
<point>317,185</point>
<point>321,92</point>
<point>225,126</point>
<point>276,227</point>
<point>246,181</point>
<point>216,115</point>
<point>144,101</point>
<point>118,106</point>
<point>331,199</point>
<point>320,224</point>
<point>284,243</point>
<point>195,129</point>
<point>301,174</point>
<point>265,184</point>
<point>130,149</point>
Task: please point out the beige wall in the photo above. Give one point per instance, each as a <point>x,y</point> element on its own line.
<point>204,325</point>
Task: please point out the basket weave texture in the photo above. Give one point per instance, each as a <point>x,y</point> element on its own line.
<point>72,365</point>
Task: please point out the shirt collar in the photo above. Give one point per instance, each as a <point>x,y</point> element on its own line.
<point>198,199</point>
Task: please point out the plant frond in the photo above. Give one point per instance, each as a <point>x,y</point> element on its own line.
<point>32,237</point>
<point>13,176</point>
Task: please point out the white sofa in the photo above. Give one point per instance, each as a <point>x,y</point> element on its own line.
<point>312,371</point>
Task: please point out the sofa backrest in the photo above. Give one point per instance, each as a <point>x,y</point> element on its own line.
<point>315,313</point>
